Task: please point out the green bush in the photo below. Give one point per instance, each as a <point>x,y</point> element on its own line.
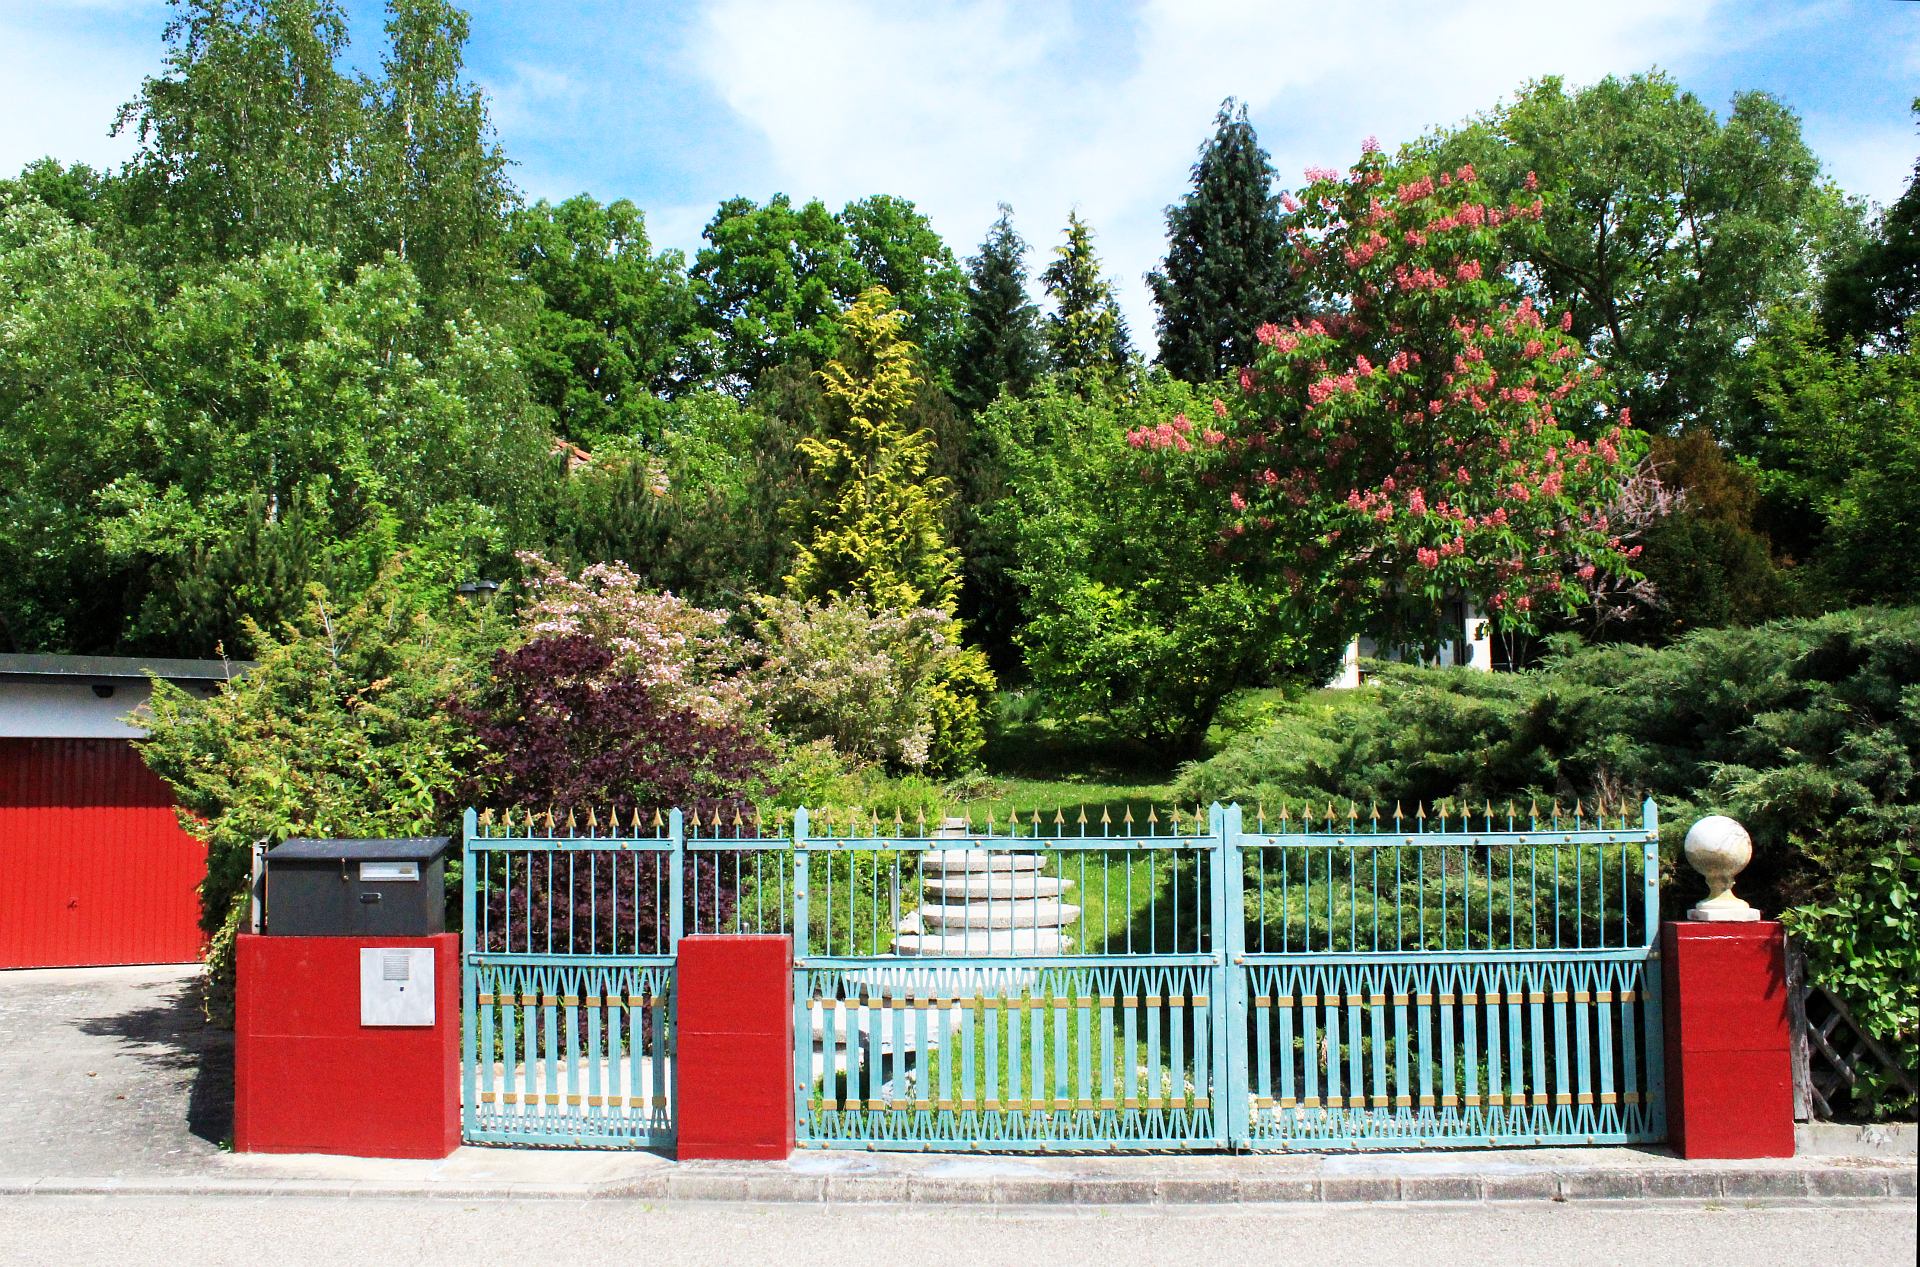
<point>340,729</point>
<point>1807,731</point>
<point>890,688</point>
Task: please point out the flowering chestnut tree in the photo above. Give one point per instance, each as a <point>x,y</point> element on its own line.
<point>1426,432</point>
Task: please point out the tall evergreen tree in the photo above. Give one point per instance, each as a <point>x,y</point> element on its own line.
<point>1085,335</point>
<point>1225,271</point>
<point>874,529</point>
<point>1000,346</point>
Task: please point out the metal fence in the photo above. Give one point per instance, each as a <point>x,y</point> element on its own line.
<point>1089,983</point>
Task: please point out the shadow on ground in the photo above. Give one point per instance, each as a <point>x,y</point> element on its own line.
<point>174,1035</point>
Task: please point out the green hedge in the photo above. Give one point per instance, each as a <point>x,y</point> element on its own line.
<point>1807,731</point>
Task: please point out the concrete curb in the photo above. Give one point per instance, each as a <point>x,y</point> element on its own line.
<point>731,1184</point>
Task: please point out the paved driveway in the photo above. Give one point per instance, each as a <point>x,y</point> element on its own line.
<point>110,1072</point>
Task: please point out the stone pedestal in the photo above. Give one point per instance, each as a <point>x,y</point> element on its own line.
<point>976,902</point>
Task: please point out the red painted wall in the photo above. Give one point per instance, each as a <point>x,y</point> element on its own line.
<point>94,868</point>
<point>309,1078</point>
<point>733,1047</point>
<point>1729,1074</point>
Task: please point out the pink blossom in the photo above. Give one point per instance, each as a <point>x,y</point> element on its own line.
<point>1417,502</point>
<point>1239,502</point>
<point>1429,558</point>
<point>1219,407</point>
<point>1370,146</point>
<point>1469,271</point>
<point>1533,182</point>
<point>1322,173</point>
<point>1566,319</point>
<point>1289,202</point>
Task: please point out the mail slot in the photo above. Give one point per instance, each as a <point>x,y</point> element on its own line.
<point>357,888</point>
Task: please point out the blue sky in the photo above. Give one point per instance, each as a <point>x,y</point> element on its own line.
<point>1048,106</point>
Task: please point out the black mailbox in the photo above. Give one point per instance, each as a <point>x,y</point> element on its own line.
<point>366,888</point>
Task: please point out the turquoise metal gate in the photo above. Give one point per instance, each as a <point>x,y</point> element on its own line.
<point>568,940</point>
<point>1104,984</point>
<point>1049,986</point>
<point>1489,980</point>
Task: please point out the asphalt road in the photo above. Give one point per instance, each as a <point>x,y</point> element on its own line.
<point>286,1231</point>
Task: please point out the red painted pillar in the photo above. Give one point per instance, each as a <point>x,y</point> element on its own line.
<point>1729,1081</point>
<point>733,1003</point>
<point>308,1077</point>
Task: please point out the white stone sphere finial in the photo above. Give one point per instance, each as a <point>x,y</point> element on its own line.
<point>1719,848</point>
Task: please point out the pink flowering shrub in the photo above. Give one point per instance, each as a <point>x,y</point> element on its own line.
<point>1429,431</point>
<point>683,654</point>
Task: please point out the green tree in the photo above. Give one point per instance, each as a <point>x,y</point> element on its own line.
<point>771,285</point>
<point>72,394</point>
<point>897,248</point>
<point>612,320</point>
<point>1086,336</point>
<point>772,282</point>
<point>1226,269</point>
<point>431,184</point>
<point>1000,348</point>
<point>1132,615</point>
<point>1873,295</point>
<point>1833,436</point>
<point>1669,233</point>
<point>872,530</point>
<point>244,137</point>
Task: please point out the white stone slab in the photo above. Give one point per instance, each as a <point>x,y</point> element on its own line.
<point>1048,913</point>
<point>962,860</point>
<point>998,941</point>
<point>971,886</point>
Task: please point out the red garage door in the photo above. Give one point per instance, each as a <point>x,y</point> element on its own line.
<point>94,869</point>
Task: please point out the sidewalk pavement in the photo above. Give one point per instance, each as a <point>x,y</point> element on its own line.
<point>1590,1174</point>
<point>111,1083</point>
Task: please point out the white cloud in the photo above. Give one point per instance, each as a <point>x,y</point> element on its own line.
<point>61,83</point>
<point>1873,163</point>
<point>959,105</point>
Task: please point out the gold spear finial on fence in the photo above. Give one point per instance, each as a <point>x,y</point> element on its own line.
<point>1153,821</point>
<point>1083,820</point>
<point>1579,809</point>
<point>659,823</point>
<point>1283,815</point>
<point>1106,819</point>
<point>1126,817</point>
<point>920,820</point>
<point>593,822</point>
<point>486,817</point>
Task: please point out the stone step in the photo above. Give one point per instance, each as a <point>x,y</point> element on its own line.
<point>954,861</point>
<point>997,941</point>
<point>976,886</point>
<point>1043,914</point>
